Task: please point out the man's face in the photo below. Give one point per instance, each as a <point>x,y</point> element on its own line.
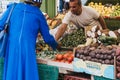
<point>75,8</point>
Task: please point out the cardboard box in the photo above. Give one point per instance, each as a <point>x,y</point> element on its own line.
<point>94,68</point>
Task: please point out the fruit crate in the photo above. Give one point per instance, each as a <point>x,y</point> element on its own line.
<point>113,23</point>
<point>114,2</point>
<point>91,66</point>
<point>47,72</point>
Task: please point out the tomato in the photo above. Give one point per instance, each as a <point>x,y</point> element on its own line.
<point>70,52</point>
<point>59,56</point>
<point>65,55</point>
<point>63,60</point>
<point>72,55</point>
<point>70,59</point>
<point>66,62</point>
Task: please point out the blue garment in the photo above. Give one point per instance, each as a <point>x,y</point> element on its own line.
<point>20,59</point>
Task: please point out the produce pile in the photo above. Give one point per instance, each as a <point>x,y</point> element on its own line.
<point>106,36</point>
<point>116,12</point>
<point>101,54</point>
<point>109,55</point>
<point>65,57</point>
<point>106,9</point>
<point>118,62</point>
<point>54,22</point>
<point>41,46</point>
<point>107,40</point>
<point>57,56</point>
<point>74,39</point>
<point>47,54</point>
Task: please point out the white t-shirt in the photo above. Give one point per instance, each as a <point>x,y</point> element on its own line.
<point>88,17</point>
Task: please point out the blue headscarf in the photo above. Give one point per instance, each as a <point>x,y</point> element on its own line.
<point>39,1</point>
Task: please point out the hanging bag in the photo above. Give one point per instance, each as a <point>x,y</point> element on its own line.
<point>3,34</point>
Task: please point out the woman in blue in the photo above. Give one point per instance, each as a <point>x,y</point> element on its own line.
<point>25,23</point>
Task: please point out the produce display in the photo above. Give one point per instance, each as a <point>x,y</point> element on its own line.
<point>106,36</point>
<point>116,12</point>
<point>41,46</point>
<point>106,40</point>
<point>57,56</point>
<point>91,44</point>
<point>109,55</point>
<point>60,16</point>
<point>101,54</point>
<point>47,54</point>
<point>54,23</point>
<point>65,57</point>
<point>106,9</point>
<point>118,62</point>
<point>74,39</point>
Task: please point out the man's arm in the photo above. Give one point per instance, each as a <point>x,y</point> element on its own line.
<point>60,31</point>
<point>102,22</point>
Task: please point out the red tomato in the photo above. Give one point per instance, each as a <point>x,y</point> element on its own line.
<point>59,56</point>
<point>70,58</point>
<point>70,52</point>
<point>65,55</point>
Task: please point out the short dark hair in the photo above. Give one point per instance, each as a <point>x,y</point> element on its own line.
<point>79,1</point>
<point>66,6</point>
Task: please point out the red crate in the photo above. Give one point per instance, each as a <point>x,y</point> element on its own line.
<point>70,77</point>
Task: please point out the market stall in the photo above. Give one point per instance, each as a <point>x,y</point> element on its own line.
<point>86,54</point>
<point>95,52</point>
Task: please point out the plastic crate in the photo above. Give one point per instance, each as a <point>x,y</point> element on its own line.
<point>47,72</point>
<point>113,24</point>
<point>69,77</point>
<point>1,67</point>
<point>61,76</point>
<point>100,78</point>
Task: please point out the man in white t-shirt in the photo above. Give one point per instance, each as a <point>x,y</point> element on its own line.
<point>81,16</point>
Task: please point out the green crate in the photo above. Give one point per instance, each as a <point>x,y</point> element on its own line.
<point>100,78</point>
<point>47,72</point>
<point>113,24</point>
<point>1,67</point>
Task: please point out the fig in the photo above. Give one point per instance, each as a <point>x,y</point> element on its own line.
<point>107,61</point>
<point>118,75</point>
<point>117,52</point>
<point>118,58</point>
<point>118,68</point>
<point>86,52</point>
<point>81,56</point>
<point>118,63</point>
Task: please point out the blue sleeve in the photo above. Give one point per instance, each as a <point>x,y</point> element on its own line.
<point>4,16</point>
<point>44,29</point>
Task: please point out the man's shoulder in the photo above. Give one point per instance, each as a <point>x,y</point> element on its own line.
<point>69,13</point>
<point>87,7</point>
